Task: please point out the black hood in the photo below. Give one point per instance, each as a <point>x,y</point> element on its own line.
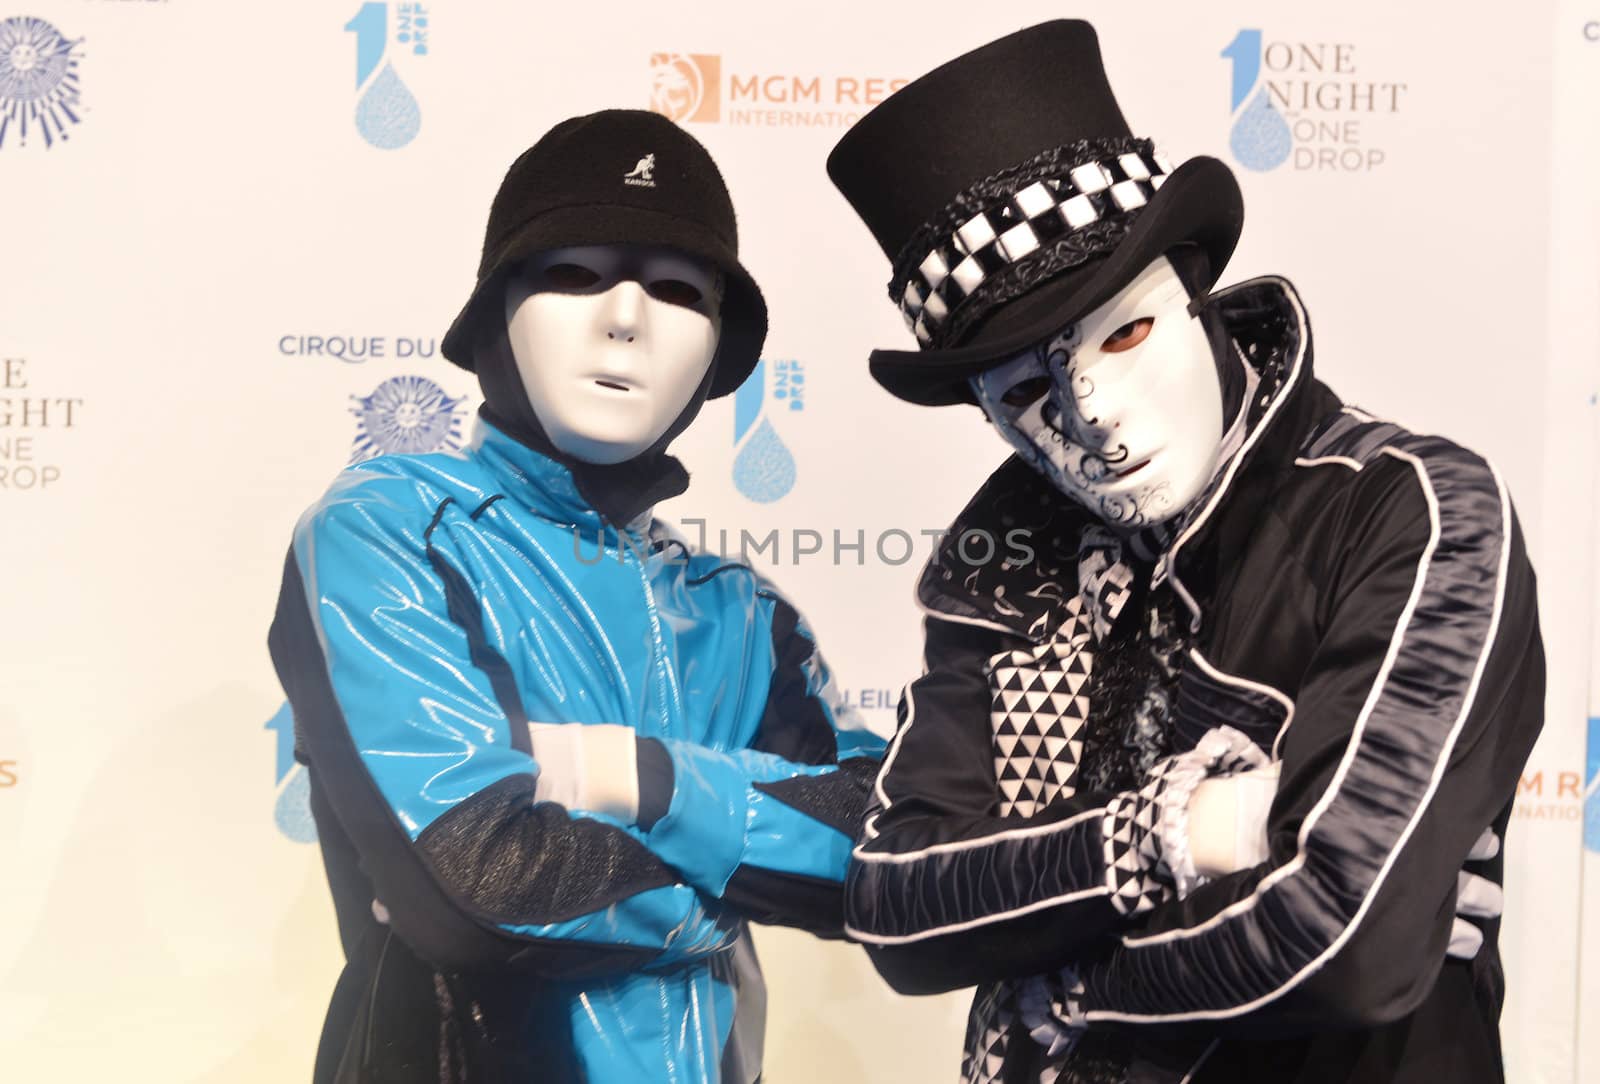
<point>620,492</point>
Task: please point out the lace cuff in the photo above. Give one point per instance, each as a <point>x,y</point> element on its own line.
<point>1146,832</point>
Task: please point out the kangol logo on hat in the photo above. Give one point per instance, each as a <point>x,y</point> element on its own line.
<point>643,173</point>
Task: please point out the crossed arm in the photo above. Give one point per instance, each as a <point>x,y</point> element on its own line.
<point>403,713</point>
<point>1419,707</point>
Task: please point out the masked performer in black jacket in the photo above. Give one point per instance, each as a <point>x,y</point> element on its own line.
<point>1211,788</point>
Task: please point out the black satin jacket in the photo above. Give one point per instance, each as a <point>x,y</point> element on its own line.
<point>1357,600</point>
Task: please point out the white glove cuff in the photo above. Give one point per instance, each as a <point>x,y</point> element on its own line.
<point>1190,848</point>
<point>593,768</point>
<point>609,768</point>
<point>1228,821</point>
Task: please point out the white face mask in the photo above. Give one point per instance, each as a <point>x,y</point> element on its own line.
<point>1122,410</point>
<point>611,343</point>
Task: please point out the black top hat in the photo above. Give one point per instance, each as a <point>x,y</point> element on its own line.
<point>620,176</point>
<point>1012,199</point>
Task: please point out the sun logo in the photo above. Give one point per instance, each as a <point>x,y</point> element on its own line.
<point>405,415</point>
<point>686,86</point>
<point>38,80</point>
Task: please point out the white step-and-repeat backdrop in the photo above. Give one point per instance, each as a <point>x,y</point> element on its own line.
<point>231,235</point>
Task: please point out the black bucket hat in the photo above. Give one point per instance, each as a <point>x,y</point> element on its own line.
<point>1012,199</point>
<point>620,176</point>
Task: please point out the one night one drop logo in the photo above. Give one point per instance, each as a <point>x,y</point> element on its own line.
<point>387,113</point>
<point>1312,104</point>
<point>405,415</point>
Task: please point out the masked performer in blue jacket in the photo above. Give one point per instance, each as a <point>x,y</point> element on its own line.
<point>1211,789</point>
<point>559,761</point>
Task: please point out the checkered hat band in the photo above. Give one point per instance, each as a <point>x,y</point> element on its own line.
<point>998,187</point>
<point>1079,210</point>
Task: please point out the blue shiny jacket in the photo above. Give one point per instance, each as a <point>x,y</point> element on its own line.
<point>433,606</point>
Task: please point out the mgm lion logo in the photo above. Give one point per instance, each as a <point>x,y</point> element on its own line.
<point>686,86</point>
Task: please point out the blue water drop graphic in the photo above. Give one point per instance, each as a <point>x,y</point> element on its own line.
<point>293,811</point>
<point>1261,139</point>
<point>764,468</point>
<point>387,116</point>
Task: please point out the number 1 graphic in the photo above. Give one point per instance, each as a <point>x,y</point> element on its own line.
<point>371,28</point>
<point>1245,52</point>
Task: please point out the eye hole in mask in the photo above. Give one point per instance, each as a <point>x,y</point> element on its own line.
<point>1128,336</point>
<point>570,276</point>
<point>575,278</point>
<point>1020,395</point>
<point>675,292</point>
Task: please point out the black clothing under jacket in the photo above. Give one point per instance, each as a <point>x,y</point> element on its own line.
<point>1354,598</point>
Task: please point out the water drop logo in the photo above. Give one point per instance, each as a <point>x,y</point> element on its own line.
<point>405,415</point>
<point>38,81</point>
<point>1260,139</point>
<point>292,810</point>
<point>387,116</point>
<point>387,113</point>
<point>764,468</point>
<point>686,87</point>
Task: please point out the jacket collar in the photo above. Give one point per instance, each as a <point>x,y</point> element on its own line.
<point>1268,321</point>
<point>534,480</point>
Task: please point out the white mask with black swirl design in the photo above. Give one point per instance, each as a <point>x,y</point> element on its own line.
<point>1121,410</point>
